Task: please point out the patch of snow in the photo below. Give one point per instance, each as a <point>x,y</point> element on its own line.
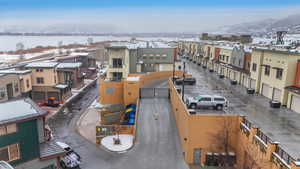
<point>126,142</point>
<point>133,78</point>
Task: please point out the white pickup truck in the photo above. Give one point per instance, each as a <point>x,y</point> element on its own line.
<point>215,101</point>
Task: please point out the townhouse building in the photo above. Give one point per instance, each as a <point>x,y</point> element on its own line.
<point>272,70</point>
<point>45,82</point>
<point>294,91</point>
<point>9,87</point>
<point>70,74</point>
<point>23,137</point>
<point>125,58</point>
<point>224,60</point>
<point>24,77</point>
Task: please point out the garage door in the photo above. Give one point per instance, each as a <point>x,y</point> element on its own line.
<point>277,94</point>
<point>38,96</point>
<point>265,90</point>
<point>295,104</point>
<point>245,81</point>
<point>252,83</point>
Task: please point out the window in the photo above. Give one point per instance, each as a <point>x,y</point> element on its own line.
<point>206,99</point>
<point>10,153</point>
<point>2,92</point>
<point>39,70</point>
<point>27,83</point>
<point>267,70</point>
<point>16,87</point>
<point>8,129</point>
<point>279,73</point>
<point>117,63</point>
<point>117,75</point>
<point>40,80</point>
<point>227,58</point>
<point>254,66</point>
<point>240,62</point>
<point>219,99</point>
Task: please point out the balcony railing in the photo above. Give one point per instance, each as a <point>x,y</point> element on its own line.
<point>283,156</point>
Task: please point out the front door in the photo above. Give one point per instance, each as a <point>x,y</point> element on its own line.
<point>10,91</point>
<point>197,156</point>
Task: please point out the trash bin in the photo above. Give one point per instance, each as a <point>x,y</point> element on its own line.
<point>275,104</point>
<point>204,67</point>
<point>233,82</point>
<point>250,91</point>
<point>221,76</point>
<point>211,70</point>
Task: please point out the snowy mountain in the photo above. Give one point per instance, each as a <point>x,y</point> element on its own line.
<point>266,26</point>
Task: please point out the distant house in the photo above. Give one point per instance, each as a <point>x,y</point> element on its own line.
<point>45,82</point>
<point>24,77</point>
<point>23,138</point>
<point>70,74</point>
<point>9,87</point>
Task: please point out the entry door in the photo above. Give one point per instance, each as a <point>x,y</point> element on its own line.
<point>252,83</point>
<point>295,104</point>
<point>276,94</point>
<point>197,156</point>
<point>265,90</point>
<point>10,91</point>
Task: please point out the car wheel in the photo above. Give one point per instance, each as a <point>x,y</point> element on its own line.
<point>193,106</point>
<point>219,107</point>
<point>62,164</point>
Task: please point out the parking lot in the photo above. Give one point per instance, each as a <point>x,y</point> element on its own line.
<point>280,125</point>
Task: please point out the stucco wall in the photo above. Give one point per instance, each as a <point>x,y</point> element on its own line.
<point>48,74</point>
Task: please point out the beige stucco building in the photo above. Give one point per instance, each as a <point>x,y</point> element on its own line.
<point>9,87</point>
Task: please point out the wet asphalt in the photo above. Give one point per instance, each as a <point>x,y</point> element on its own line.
<point>157,145</point>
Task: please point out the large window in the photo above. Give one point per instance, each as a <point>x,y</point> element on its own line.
<point>8,129</point>
<point>267,70</point>
<point>117,63</point>
<point>40,80</point>
<point>39,70</point>
<point>279,73</point>
<point>10,153</point>
<point>254,67</point>
<point>117,75</point>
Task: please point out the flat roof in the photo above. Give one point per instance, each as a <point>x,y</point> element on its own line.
<point>42,65</point>
<point>68,65</point>
<point>146,44</point>
<point>20,109</point>
<point>51,149</point>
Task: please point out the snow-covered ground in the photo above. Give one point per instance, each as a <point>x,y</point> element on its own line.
<point>126,143</point>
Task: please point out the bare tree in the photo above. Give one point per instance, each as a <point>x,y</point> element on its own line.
<point>20,47</point>
<point>253,157</point>
<point>222,140</point>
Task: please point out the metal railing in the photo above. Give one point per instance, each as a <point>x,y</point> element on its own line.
<point>263,137</point>
<point>284,155</point>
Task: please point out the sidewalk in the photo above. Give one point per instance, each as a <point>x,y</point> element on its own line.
<point>86,125</point>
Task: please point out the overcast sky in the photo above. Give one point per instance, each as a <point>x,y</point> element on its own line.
<point>119,16</point>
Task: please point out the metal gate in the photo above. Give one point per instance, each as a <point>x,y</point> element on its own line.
<point>154,92</point>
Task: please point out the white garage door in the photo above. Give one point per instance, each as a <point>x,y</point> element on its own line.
<point>295,105</point>
<point>252,83</point>
<point>277,94</point>
<point>245,82</point>
<point>265,90</point>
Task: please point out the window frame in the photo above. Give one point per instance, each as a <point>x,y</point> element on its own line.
<point>277,74</point>
<point>8,147</point>
<point>254,67</point>
<point>267,70</point>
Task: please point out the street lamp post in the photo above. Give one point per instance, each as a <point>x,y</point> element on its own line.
<point>183,81</point>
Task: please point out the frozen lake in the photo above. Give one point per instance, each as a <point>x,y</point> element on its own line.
<point>8,43</point>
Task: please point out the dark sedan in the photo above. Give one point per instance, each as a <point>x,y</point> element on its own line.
<point>187,81</point>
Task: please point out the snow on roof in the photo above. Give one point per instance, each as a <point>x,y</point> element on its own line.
<point>133,78</point>
<point>79,54</point>
<point>147,44</point>
<point>42,64</point>
<point>69,65</point>
<point>25,108</point>
<point>14,71</point>
<point>61,86</point>
<point>226,47</point>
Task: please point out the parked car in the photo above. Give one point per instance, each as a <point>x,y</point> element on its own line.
<point>217,102</point>
<point>71,159</point>
<point>5,165</point>
<point>187,81</point>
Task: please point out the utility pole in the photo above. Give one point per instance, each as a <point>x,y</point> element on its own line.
<point>183,81</point>
<point>173,67</point>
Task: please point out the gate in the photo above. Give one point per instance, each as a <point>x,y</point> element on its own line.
<point>154,93</point>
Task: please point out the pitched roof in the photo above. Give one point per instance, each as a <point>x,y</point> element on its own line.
<point>19,110</point>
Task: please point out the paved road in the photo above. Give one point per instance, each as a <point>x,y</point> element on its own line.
<point>157,145</point>
<point>280,125</point>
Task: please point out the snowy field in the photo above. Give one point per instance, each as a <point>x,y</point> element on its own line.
<point>8,43</point>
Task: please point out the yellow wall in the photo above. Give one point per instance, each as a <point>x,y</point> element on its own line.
<point>111,92</point>
<point>24,87</point>
<point>49,76</point>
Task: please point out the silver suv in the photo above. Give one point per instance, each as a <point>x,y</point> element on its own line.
<point>215,101</point>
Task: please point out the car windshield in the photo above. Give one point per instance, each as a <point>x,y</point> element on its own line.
<point>197,97</point>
